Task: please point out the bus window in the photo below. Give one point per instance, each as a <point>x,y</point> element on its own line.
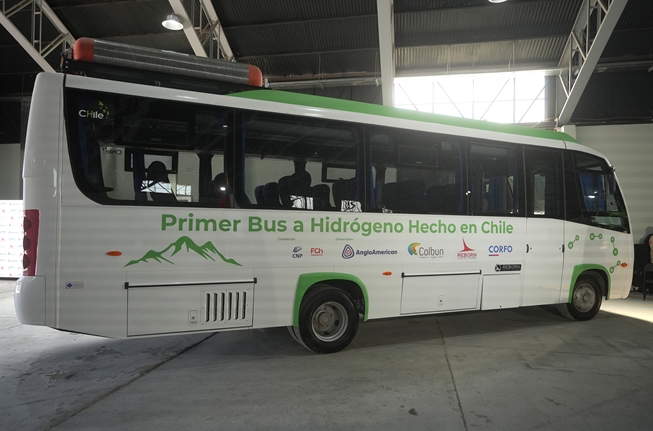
<point>494,180</point>
<point>136,150</point>
<point>601,200</point>
<point>544,179</point>
<point>416,172</point>
<point>298,163</point>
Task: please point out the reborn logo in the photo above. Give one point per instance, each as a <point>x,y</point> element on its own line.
<point>466,252</point>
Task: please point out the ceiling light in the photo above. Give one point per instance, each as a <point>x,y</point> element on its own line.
<point>496,1</point>
<point>172,23</point>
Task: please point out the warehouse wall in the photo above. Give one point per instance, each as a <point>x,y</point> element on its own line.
<point>10,172</point>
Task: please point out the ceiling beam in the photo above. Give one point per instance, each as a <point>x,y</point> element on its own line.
<point>385,14</point>
<point>189,28</point>
<point>35,46</point>
<point>218,31</point>
<point>582,52</point>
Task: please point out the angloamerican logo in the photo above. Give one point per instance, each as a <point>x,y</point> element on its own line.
<point>466,252</point>
<point>348,252</point>
<point>416,249</point>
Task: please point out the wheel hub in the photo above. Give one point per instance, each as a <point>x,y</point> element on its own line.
<point>584,298</point>
<point>329,321</point>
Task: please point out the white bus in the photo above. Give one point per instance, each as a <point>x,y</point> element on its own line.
<point>153,210</point>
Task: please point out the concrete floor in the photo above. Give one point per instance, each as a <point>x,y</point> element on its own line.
<point>520,369</point>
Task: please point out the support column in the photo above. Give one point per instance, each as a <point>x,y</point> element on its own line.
<point>385,14</point>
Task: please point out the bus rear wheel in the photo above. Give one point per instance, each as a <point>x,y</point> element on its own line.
<point>585,300</point>
<point>328,320</point>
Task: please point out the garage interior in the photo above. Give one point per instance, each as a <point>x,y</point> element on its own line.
<point>527,368</point>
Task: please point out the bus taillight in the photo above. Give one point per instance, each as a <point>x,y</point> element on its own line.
<point>30,241</point>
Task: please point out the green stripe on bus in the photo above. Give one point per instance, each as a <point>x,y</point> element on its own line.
<point>579,269</point>
<point>305,282</point>
<point>402,114</point>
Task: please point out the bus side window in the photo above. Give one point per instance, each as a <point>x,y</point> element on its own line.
<point>600,198</point>
<point>494,184</point>
<point>416,172</point>
<point>544,179</point>
<point>284,158</point>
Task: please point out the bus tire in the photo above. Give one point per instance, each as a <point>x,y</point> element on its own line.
<point>328,320</point>
<point>585,300</point>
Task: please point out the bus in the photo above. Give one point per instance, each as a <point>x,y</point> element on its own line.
<point>159,204</point>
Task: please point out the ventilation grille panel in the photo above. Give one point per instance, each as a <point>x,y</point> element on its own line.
<point>226,307</point>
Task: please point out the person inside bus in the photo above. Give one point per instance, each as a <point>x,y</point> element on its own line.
<point>158,183</point>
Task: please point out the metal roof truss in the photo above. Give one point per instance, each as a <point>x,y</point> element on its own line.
<point>594,24</point>
<point>34,43</point>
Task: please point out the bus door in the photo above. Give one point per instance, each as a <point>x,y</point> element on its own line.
<point>542,272</point>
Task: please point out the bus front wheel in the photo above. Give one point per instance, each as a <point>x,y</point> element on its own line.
<point>585,300</point>
<point>328,320</point>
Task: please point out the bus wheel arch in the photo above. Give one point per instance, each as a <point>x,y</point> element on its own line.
<point>327,311</point>
<point>586,295</point>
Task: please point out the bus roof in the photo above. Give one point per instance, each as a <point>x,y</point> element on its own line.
<point>403,114</point>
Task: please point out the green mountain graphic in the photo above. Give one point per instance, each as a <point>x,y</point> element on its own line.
<point>206,251</point>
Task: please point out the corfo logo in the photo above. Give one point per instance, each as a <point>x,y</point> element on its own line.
<point>496,250</point>
<point>416,249</point>
<point>466,252</point>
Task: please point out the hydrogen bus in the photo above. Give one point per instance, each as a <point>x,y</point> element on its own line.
<point>159,201</point>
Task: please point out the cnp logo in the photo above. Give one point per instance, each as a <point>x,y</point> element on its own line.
<point>296,253</point>
<point>496,250</point>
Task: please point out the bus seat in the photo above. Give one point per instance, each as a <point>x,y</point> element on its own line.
<point>221,190</point>
<point>391,197</point>
<point>258,194</point>
<point>158,174</point>
<point>343,190</point>
<point>300,186</point>
<point>284,191</point>
<point>271,194</point>
<point>412,196</point>
<point>321,193</point>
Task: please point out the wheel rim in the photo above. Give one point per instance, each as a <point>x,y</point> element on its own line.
<point>329,321</point>
<point>584,298</point>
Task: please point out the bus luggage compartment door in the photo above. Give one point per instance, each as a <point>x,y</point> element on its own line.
<point>163,309</point>
<point>429,293</point>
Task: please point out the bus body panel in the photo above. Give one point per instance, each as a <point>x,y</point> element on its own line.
<point>42,185</point>
<point>30,301</point>
<point>599,250</point>
<point>128,270</point>
<point>544,261</point>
